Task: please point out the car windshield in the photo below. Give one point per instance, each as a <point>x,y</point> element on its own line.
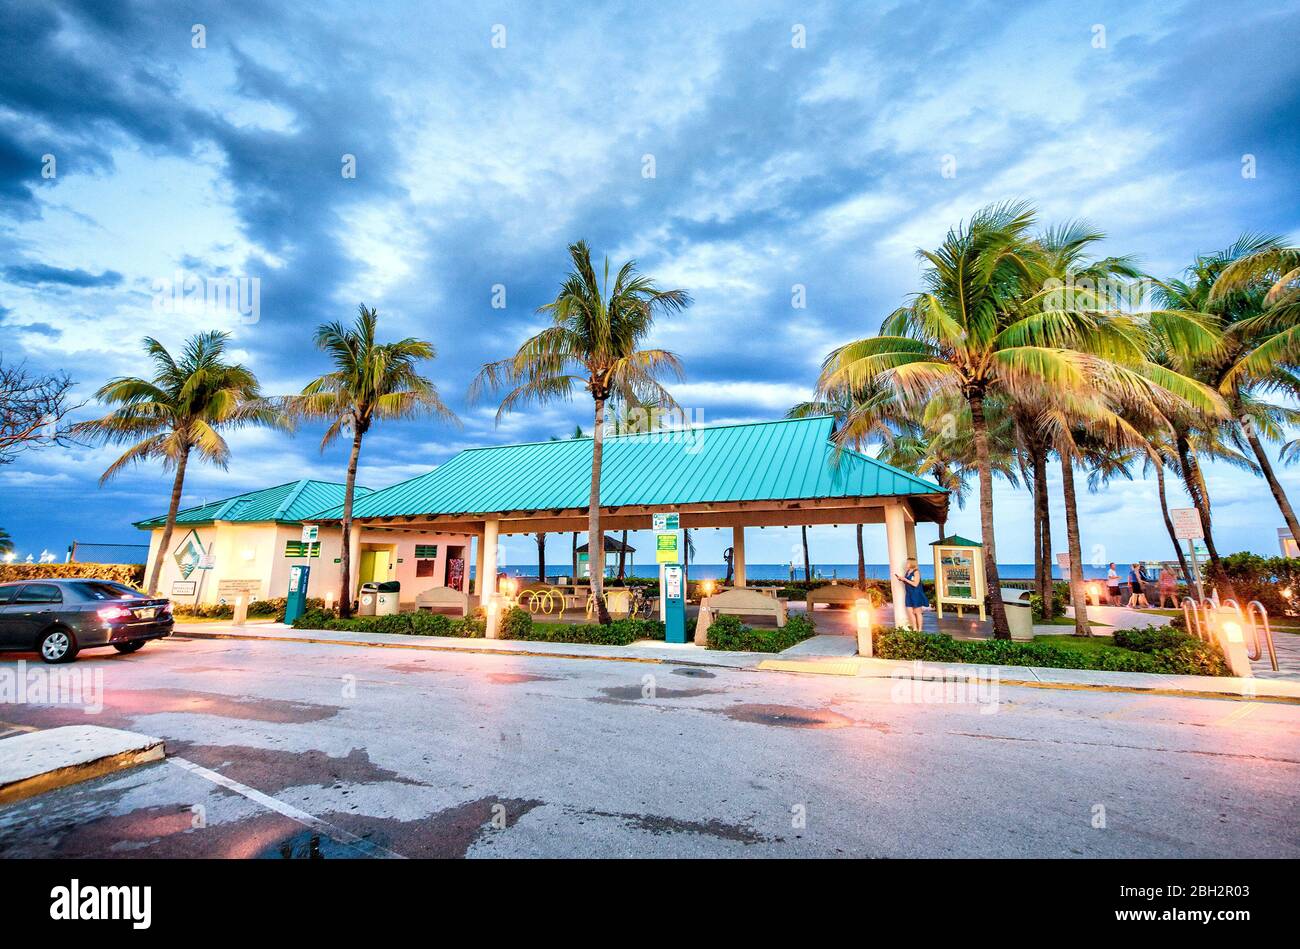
<point>106,590</point>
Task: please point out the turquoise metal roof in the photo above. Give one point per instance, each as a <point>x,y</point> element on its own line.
<point>788,459</point>
<point>289,503</point>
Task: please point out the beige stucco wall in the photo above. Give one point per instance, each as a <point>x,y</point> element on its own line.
<point>255,553</point>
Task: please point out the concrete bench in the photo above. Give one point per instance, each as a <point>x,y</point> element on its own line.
<point>743,601</point>
<point>835,594</point>
<point>439,599</point>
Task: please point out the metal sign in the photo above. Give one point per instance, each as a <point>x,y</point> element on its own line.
<point>1063,561</point>
<point>666,521</point>
<point>310,533</point>
<point>666,547</point>
<point>184,587</point>
<point>1187,523</point>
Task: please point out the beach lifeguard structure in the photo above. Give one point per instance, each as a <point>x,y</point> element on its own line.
<point>958,574</point>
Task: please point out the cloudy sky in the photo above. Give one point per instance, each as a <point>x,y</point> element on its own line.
<point>734,149</point>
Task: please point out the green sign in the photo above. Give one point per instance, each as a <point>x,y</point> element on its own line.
<point>666,547</point>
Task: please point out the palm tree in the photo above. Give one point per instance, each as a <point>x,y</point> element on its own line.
<point>961,335</point>
<point>181,410</point>
<point>541,556</point>
<point>6,542</point>
<point>1256,290</point>
<point>594,343</point>
<point>370,381</point>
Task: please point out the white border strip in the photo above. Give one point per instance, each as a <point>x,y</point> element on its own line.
<point>287,810</point>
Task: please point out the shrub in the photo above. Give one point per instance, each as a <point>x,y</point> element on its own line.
<point>515,623</point>
<point>1189,656</point>
<point>1246,576</point>
<point>729,633</point>
<point>621,632</point>
<point>1152,638</point>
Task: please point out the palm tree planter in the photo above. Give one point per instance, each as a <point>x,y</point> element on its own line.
<point>370,381</point>
<point>180,411</point>
<point>594,344</point>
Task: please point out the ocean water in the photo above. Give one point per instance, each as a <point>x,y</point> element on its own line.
<point>781,571</point>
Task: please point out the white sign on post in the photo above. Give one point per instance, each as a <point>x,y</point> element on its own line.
<point>667,521</point>
<point>1063,561</point>
<point>1187,523</point>
<point>310,532</point>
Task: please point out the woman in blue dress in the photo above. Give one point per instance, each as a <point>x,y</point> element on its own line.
<point>914,598</point>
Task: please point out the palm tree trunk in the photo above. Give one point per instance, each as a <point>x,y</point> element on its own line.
<point>807,565</point>
<point>575,556</point>
<point>165,542</point>
<point>1194,482</point>
<point>1077,598</point>
<point>1043,517</point>
<point>622,559</point>
<point>981,431</point>
<point>1266,466</point>
<point>862,562</point>
<point>345,549</point>
<point>595,539</point>
<point>541,556</point>
<point>1169,522</point>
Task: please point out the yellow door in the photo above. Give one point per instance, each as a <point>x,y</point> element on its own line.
<point>367,571</point>
<point>379,571</point>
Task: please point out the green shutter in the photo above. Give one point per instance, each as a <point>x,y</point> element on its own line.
<point>296,548</point>
<point>426,551</point>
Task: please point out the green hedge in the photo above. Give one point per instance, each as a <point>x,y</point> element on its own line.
<point>518,624</point>
<point>730,634</point>
<point>1164,652</point>
<point>269,607</point>
<point>132,574</point>
<point>397,624</point>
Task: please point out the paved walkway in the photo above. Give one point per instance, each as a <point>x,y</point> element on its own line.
<point>835,659</point>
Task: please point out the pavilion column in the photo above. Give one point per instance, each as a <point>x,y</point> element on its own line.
<point>909,532</point>
<point>488,557</point>
<point>896,539</point>
<point>478,567</point>
<point>738,554</point>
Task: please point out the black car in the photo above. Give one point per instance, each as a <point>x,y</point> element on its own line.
<point>58,618</point>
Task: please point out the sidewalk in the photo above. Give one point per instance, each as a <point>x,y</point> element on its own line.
<point>803,658</point>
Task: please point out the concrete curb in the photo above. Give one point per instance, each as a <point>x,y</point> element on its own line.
<point>35,762</point>
<point>1028,676</point>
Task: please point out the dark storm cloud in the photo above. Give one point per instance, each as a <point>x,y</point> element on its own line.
<point>36,275</point>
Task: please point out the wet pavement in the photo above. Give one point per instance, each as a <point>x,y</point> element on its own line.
<point>292,750</point>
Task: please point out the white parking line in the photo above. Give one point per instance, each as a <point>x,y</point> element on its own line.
<point>287,810</point>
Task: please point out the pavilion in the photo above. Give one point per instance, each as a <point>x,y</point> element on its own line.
<point>782,473</point>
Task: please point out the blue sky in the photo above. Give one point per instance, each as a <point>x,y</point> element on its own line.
<point>775,163</point>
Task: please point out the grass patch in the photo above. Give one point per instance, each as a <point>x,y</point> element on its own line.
<point>1068,621</point>
<point>1081,644</point>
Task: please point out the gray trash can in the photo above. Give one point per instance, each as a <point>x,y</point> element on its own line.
<point>1020,619</point>
<point>386,597</point>
<point>369,599</point>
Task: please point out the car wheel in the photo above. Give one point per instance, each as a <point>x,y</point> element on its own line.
<point>129,647</point>
<point>58,645</point>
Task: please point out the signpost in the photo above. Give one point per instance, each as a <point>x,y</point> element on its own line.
<point>674,597</point>
<point>1187,526</point>
<point>668,554</point>
<point>310,534</point>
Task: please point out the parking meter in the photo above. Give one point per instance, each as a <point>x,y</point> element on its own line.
<point>674,597</point>
<point>296,600</point>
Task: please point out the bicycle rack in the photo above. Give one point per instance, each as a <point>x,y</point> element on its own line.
<point>1253,619</point>
<point>1256,609</point>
